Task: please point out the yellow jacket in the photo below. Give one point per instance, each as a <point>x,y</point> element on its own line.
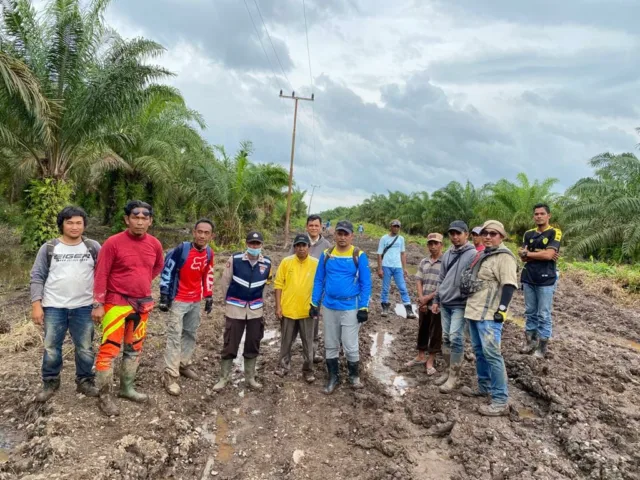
<point>295,279</point>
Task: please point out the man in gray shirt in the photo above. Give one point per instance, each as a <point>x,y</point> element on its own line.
<point>61,300</point>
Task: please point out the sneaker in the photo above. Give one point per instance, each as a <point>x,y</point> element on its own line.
<point>171,384</point>
<point>309,377</point>
<point>88,388</point>
<point>473,392</point>
<point>494,410</point>
<point>188,372</point>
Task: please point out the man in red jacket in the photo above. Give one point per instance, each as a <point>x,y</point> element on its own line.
<point>127,264</point>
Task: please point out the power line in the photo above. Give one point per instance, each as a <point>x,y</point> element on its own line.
<point>264,50</point>
<point>272,45</point>
<point>313,108</point>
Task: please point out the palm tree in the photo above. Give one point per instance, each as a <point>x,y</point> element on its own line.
<point>603,211</point>
<point>455,202</point>
<point>89,79</point>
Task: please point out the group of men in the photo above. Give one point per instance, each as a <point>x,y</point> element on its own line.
<point>75,281</point>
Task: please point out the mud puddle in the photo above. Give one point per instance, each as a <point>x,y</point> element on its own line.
<point>625,342</point>
<point>526,412</point>
<point>8,440</point>
<point>225,449</point>
<point>395,384</point>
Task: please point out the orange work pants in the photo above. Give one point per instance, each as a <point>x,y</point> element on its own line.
<point>121,324</point>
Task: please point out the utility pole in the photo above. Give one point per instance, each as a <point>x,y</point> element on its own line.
<point>311,199</point>
<point>293,148</point>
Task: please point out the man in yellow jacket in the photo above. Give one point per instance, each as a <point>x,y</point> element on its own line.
<point>293,286</point>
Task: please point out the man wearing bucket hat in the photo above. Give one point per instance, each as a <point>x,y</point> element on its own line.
<point>392,263</point>
<point>293,286</point>
<point>243,280</point>
<point>451,303</point>
<point>490,281</point>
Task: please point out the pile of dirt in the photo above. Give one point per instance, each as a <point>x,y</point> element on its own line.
<point>574,415</point>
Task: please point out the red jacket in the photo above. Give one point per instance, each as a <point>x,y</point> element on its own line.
<point>126,266</point>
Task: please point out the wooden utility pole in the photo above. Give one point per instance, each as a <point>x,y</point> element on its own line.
<point>311,199</point>
<point>293,148</point>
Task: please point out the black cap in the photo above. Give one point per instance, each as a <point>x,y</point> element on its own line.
<point>255,237</point>
<point>458,226</point>
<point>345,226</point>
<point>301,238</point>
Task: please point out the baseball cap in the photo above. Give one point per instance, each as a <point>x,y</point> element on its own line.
<point>477,230</point>
<point>458,226</point>
<point>395,223</point>
<point>434,237</point>
<point>495,225</point>
<point>301,238</point>
<point>255,237</point>
<point>345,226</point>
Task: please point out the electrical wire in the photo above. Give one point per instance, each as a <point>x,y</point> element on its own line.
<point>264,50</point>
<point>313,108</point>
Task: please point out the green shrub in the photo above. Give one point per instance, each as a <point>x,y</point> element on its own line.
<point>44,200</point>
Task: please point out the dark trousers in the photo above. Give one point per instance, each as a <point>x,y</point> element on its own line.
<point>233,330</point>
<point>429,332</point>
<point>290,330</point>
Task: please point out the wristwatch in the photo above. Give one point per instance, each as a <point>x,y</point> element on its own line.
<point>97,305</point>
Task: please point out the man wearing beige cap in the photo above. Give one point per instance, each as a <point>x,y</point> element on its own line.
<point>490,281</point>
<point>429,323</point>
<point>392,263</point>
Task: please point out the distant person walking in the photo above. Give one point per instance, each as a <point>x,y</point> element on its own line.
<point>293,287</point>
<point>243,280</point>
<point>343,284</point>
<point>61,298</point>
<point>127,264</point>
<point>451,303</point>
<point>392,263</point>
<point>492,279</point>
<point>186,279</point>
<point>539,252</point>
<point>429,323</point>
<point>360,230</point>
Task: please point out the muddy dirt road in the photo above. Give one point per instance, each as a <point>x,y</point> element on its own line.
<point>574,415</point>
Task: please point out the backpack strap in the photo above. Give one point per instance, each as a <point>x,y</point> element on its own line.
<point>51,244</point>
<point>91,246</point>
<point>355,255</point>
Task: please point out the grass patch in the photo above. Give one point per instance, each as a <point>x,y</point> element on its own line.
<point>627,276</point>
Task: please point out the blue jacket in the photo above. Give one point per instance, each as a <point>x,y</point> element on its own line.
<point>339,284</point>
<point>173,261</point>
<point>248,282</point>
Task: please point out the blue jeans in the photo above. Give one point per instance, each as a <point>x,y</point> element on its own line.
<point>398,277</point>
<point>538,301</point>
<point>486,337</point>
<point>56,323</point>
<point>453,331</point>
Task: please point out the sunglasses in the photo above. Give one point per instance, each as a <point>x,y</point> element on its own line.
<point>140,211</point>
<point>491,234</point>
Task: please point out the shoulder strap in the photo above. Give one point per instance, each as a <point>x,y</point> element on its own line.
<point>209,254</point>
<point>356,256</point>
<point>328,254</point>
<point>386,249</point>
<point>453,262</point>
<point>92,249</point>
<point>51,244</point>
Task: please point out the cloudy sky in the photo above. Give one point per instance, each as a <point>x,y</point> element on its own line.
<point>410,94</point>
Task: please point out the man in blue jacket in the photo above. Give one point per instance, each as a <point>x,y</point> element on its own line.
<point>343,284</point>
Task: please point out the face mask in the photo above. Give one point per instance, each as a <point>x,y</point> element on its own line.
<point>254,252</point>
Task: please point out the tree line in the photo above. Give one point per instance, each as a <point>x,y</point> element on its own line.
<point>599,215</point>
<point>85,118</point>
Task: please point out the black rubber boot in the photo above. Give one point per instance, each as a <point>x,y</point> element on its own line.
<point>354,375</point>
<point>49,388</point>
<point>530,343</point>
<point>410,313</point>
<point>334,376</point>
<point>385,309</point>
<point>541,351</point>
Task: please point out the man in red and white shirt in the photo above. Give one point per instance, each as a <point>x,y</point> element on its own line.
<point>187,278</point>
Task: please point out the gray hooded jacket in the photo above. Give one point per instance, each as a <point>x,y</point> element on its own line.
<point>449,282</point>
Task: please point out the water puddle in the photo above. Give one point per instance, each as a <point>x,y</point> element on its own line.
<point>401,311</point>
<point>225,450</point>
<point>625,342</point>
<point>395,384</point>
<point>8,440</point>
<point>526,412</point>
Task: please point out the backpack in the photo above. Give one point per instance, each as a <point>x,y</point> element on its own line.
<point>51,244</point>
<point>186,248</point>
<point>356,254</point>
<point>469,283</point>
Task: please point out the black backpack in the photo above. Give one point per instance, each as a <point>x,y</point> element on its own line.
<point>52,243</point>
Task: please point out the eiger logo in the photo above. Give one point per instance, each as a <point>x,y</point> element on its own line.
<point>71,257</point>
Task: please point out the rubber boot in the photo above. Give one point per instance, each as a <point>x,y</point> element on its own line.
<point>410,313</point>
<point>530,343</point>
<point>334,376</point>
<point>441,380</point>
<point>452,380</point>
<point>385,309</point>
<point>127,379</point>
<point>354,375</point>
<point>49,388</point>
<point>541,351</point>
<point>250,373</point>
<point>105,401</point>
<point>225,374</point>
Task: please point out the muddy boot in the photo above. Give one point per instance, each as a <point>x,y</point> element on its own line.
<point>530,343</point>
<point>452,381</point>
<point>309,377</point>
<point>473,392</point>
<point>334,376</point>
<point>189,373</point>
<point>541,351</point>
<point>410,313</point>
<point>385,309</point>
<point>250,373</point>
<point>225,374</point>
<point>354,375</point>
<point>317,356</point>
<point>170,384</point>
<point>105,402</point>
<point>87,388</point>
<point>441,380</point>
<point>494,410</point>
<point>49,387</point>
<point>127,379</point>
